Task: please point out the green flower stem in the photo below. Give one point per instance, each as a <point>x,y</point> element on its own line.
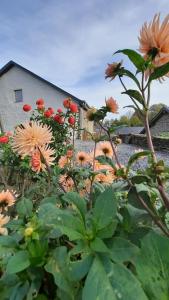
<point>112,145</point>
<point>155,218</point>
<point>160,186</point>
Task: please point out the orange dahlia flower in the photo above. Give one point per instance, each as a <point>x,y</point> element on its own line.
<point>154,40</point>
<point>112,105</point>
<point>30,136</point>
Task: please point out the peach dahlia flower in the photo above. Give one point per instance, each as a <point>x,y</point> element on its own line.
<point>3,220</point>
<point>30,136</point>
<point>106,149</point>
<point>41,158</point>
<point>6,199</point>
<point>82,157</point>
<point>154,40</point>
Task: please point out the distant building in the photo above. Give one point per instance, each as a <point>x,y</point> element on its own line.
<point>19,86</point>
<point>160,123</point>
<point>128,130</point>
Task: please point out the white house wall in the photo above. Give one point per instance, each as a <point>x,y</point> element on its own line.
<point>11,113</point>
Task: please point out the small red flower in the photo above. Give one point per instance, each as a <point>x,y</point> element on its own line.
<point>51,110</point>
<point>47,113</point>
<point>73,108</point>
<point>58,119</point>
<point>69,153</point>
<point>67,102</point>
<point>27,107</point>
<point>59,110</point>
<point>40,107</point>
<point>4,139</point>
<point>40,102</point>
<point>71,120</point>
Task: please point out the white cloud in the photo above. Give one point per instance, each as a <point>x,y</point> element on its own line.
<point>70,42</point>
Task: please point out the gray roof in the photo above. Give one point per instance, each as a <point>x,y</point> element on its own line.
<point>164,110</point>
<point>12,64</point>
<point>129,130</point>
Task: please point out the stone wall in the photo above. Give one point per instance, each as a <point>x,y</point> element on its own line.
<point>161,125</point>
<point>141,141</point>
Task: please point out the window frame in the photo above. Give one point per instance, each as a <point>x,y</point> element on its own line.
<point>15,94</point>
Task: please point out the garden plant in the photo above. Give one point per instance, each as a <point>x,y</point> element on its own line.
<point>77,225</point>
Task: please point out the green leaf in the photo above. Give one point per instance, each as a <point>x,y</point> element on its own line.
<point>134,57</point>
<point>122,250</point>
<point>133,158</point>
<point>98,245</point>
<point>8,241</point>
<point>71,233</point>
<point>24,207</point>
<point>107,231</point>
<point>58,267</point>
<point>106,161</point>
<point>19,291</point>
<point>124,283</point>
<point>130,75</point>
<point>97,285</point>
<point>105,208</point>
<point>78,269</point>
<point>136,95</point>
<point>78,201</point>
<point>159,72</point>
<point>18,262</point>
<point>152,266</point>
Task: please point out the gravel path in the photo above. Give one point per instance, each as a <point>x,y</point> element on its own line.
<point>124,152</point>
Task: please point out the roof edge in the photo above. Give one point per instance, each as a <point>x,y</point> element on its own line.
<point>12,64</point>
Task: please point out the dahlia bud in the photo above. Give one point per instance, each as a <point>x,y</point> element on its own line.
<point>59,110</point>
<point>4,139</point>
<point>28,232</point>
<point>51,110</point>
<point>71,120</point>
<point>27,107</point>
<point>74,108</point>
<point>47,113</point>
<point>40,102</point>
<point>67,102</point>
<point>40,107</point>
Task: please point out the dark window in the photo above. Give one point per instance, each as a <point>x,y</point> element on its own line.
<point>18,96</point>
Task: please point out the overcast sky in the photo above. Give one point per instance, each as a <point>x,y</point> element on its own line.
<point>69,42</point>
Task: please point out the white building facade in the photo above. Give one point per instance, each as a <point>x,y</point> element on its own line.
<point>19,86</point>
